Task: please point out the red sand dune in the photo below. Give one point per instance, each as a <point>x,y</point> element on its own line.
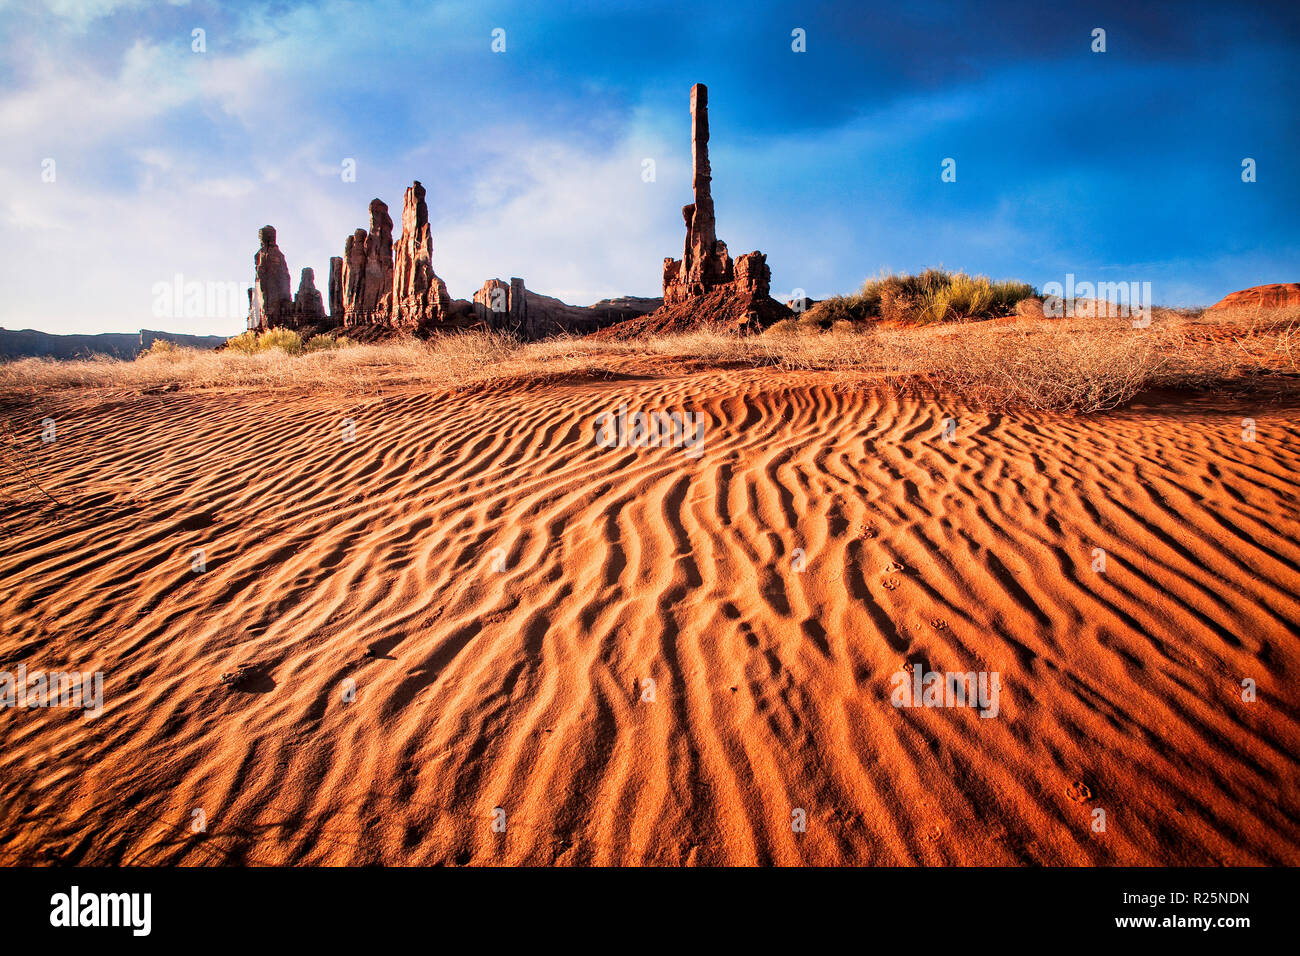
<point>522,688</point>
<point>1279,295</point>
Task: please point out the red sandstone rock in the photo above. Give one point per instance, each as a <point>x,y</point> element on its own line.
<point>706,264</point>
<point>270,301</point>
<point>354,276</point>
<point>336,291</point>
<point>419,297</point>
<point>706,267</point>
<point>308,306</point>
<point>378,284</point>
<point>721,310</point>
<point>1280,295</point>
<point>368,270</point>
<point>492,304</point>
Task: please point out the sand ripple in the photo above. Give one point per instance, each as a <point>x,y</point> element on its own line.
<point>500,590</point>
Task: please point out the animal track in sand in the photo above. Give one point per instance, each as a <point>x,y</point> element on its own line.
<point>249,677</point>
<point>893,567</point>
<point>889,583</point>
<point>1078,791</point>
<point>939,624</point>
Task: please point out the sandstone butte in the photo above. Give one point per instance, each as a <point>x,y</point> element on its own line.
<point>380,285</point>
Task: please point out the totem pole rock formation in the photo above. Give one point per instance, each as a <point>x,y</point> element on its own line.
<point>308,306</point>
<point>336,290</point>
<point>270,301</point>
<point>705,265</point>
<point>377,285</point>
<point>368,270</point>
<point>419,297</point>
<point>706,288</point>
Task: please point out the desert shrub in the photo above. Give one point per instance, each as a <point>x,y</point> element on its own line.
<point>245,342</point>
<point>325,343</point>
<point>160,348</point>
<point>784,327</point>
<point>837,308</point>
<point>934,295</point>
<point>286,340</point>
<point>1048,366</point>
<point>250,342</point>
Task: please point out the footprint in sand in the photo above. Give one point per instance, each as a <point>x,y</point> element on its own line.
<point>1078,791</point>
<point>939,624</point>
<point>893,567</point>
<point>250,678</point>
<point>889,583</point>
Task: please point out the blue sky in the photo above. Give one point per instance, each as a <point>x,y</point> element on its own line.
<point>1115,166</point>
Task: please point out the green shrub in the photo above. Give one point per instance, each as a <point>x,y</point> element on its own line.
<point>245,342</point>
<point>935,295</point>
<point>326,343</point>
<point>250,342</point>
<point>286,340</point>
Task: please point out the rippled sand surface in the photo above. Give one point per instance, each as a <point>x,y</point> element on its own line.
<point>642,656</point>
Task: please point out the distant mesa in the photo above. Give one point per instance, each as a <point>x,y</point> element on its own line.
<point>380,284</point>
<point>28,343</point>
<point>1279,295</point>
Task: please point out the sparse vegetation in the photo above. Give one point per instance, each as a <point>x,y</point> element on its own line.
<point>250,342</point>
<point>161,347</point>
<point>1077,364</point>
<point>324,343</point>
<point>935,295</point>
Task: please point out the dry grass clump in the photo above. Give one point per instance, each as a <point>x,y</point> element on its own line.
<point>1065,366</point>
<point>1270,337</point>
<point>1052,366</point>
<point>250,342</point>
<point>286,340</point>
<point>935,295</point>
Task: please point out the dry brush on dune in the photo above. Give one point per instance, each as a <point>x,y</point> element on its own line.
<point>1077,364</point>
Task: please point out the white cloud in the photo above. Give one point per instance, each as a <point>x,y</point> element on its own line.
<point>226,187</point>
<point>79,14</point>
